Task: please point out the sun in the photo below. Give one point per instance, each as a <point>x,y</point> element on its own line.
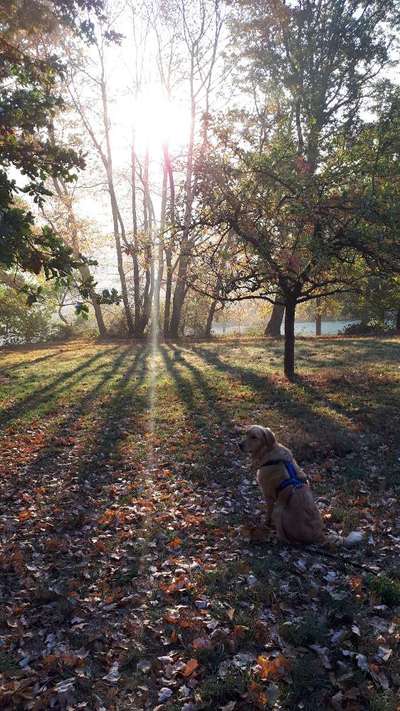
<point>159,120</point>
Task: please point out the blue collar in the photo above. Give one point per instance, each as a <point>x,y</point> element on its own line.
<point>293,479</point>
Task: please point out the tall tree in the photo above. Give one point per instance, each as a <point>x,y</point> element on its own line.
<point>101,139</point>
<point>301,202</point>
<point>199,27</point>
<point>304,235</point>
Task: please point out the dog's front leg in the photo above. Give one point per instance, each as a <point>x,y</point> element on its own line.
<point>269,503</point>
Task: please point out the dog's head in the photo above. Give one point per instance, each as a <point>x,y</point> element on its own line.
<point>258,440</point>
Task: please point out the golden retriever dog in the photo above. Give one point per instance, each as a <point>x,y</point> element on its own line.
<point>290,504</point>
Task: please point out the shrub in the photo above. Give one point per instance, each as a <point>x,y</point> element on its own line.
<point>20,323</point>
<point>373,327</point>
<point>68,331</point>
<point>116,323</point>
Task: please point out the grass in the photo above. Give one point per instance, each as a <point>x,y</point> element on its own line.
<point>387,590</point>
<point>310,684</point>
<point>303,632</point>
<point>383,701</point>
<point>212,385</point>
<point>216,691</point>
<point>124,511</point>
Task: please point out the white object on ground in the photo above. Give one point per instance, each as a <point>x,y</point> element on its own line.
<point>353,538</point>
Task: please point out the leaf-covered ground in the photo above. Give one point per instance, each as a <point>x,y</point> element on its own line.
<point>135,569</point>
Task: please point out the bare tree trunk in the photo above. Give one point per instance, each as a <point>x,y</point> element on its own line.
<point>120,261</point>
<point>60,308</point>
<point>290,313</point>
<point>61,315</point>
<point>87,277</point>
<point>168,249</point>
<point>398,320</point>
<point>99,318</point>
<point>318,324</point>
<point>117,222</point>
<point>200,79</point>
<point>160,251</point>
<point>135,260</point>
<point>168,290</point>
<point>273,327</point>
<point>210,318</point>
<point>318,318</point>
<point>184,256</point>
<point>148,251</point>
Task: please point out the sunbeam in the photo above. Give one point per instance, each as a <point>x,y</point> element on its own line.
<point>154,343</point>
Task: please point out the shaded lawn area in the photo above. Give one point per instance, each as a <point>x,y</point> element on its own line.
<point>135,568</point>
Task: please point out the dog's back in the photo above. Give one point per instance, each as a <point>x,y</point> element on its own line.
<point>296,516</point>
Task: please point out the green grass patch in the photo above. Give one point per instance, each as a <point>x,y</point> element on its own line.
<point>386,589</point>
<point>8,664</point>
<point>216,691</point>
<point>383,701</point>
<point>310,684</point>
<point>306,631</point>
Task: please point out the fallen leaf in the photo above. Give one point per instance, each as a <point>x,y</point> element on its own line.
<point>356,583</point>
<point>190,667</point>
<point>175,543</point>
<point>273,668</point>
<point>25,515</point>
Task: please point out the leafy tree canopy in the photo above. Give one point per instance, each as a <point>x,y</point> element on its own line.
<point>304,181</point>
<point>29,100</point>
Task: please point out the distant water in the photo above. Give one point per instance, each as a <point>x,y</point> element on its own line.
<point>328,328</point>
<point>301,328</point>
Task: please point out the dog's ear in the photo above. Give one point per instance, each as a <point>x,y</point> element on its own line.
<point>269,437</point>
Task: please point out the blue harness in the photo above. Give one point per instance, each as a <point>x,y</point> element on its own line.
<point>293,479</point>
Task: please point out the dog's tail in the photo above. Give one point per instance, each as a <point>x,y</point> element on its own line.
<point>354,538</point>
<point>336,543</point>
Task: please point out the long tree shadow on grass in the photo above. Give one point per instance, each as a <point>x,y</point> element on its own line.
<point>52,453</point>
<point>305,417</point>
<point>332,352</point>
<point>102,457</point>
<point>120,418</point>
<point>65,554</point>
<point>25,364</point>
<point>44,395</point>
<point>52,467</point>
<point>102,422</point>
<point>204,411</point>
<point>310,350</point>
<point>371,398</point>
<point>89,507</point>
